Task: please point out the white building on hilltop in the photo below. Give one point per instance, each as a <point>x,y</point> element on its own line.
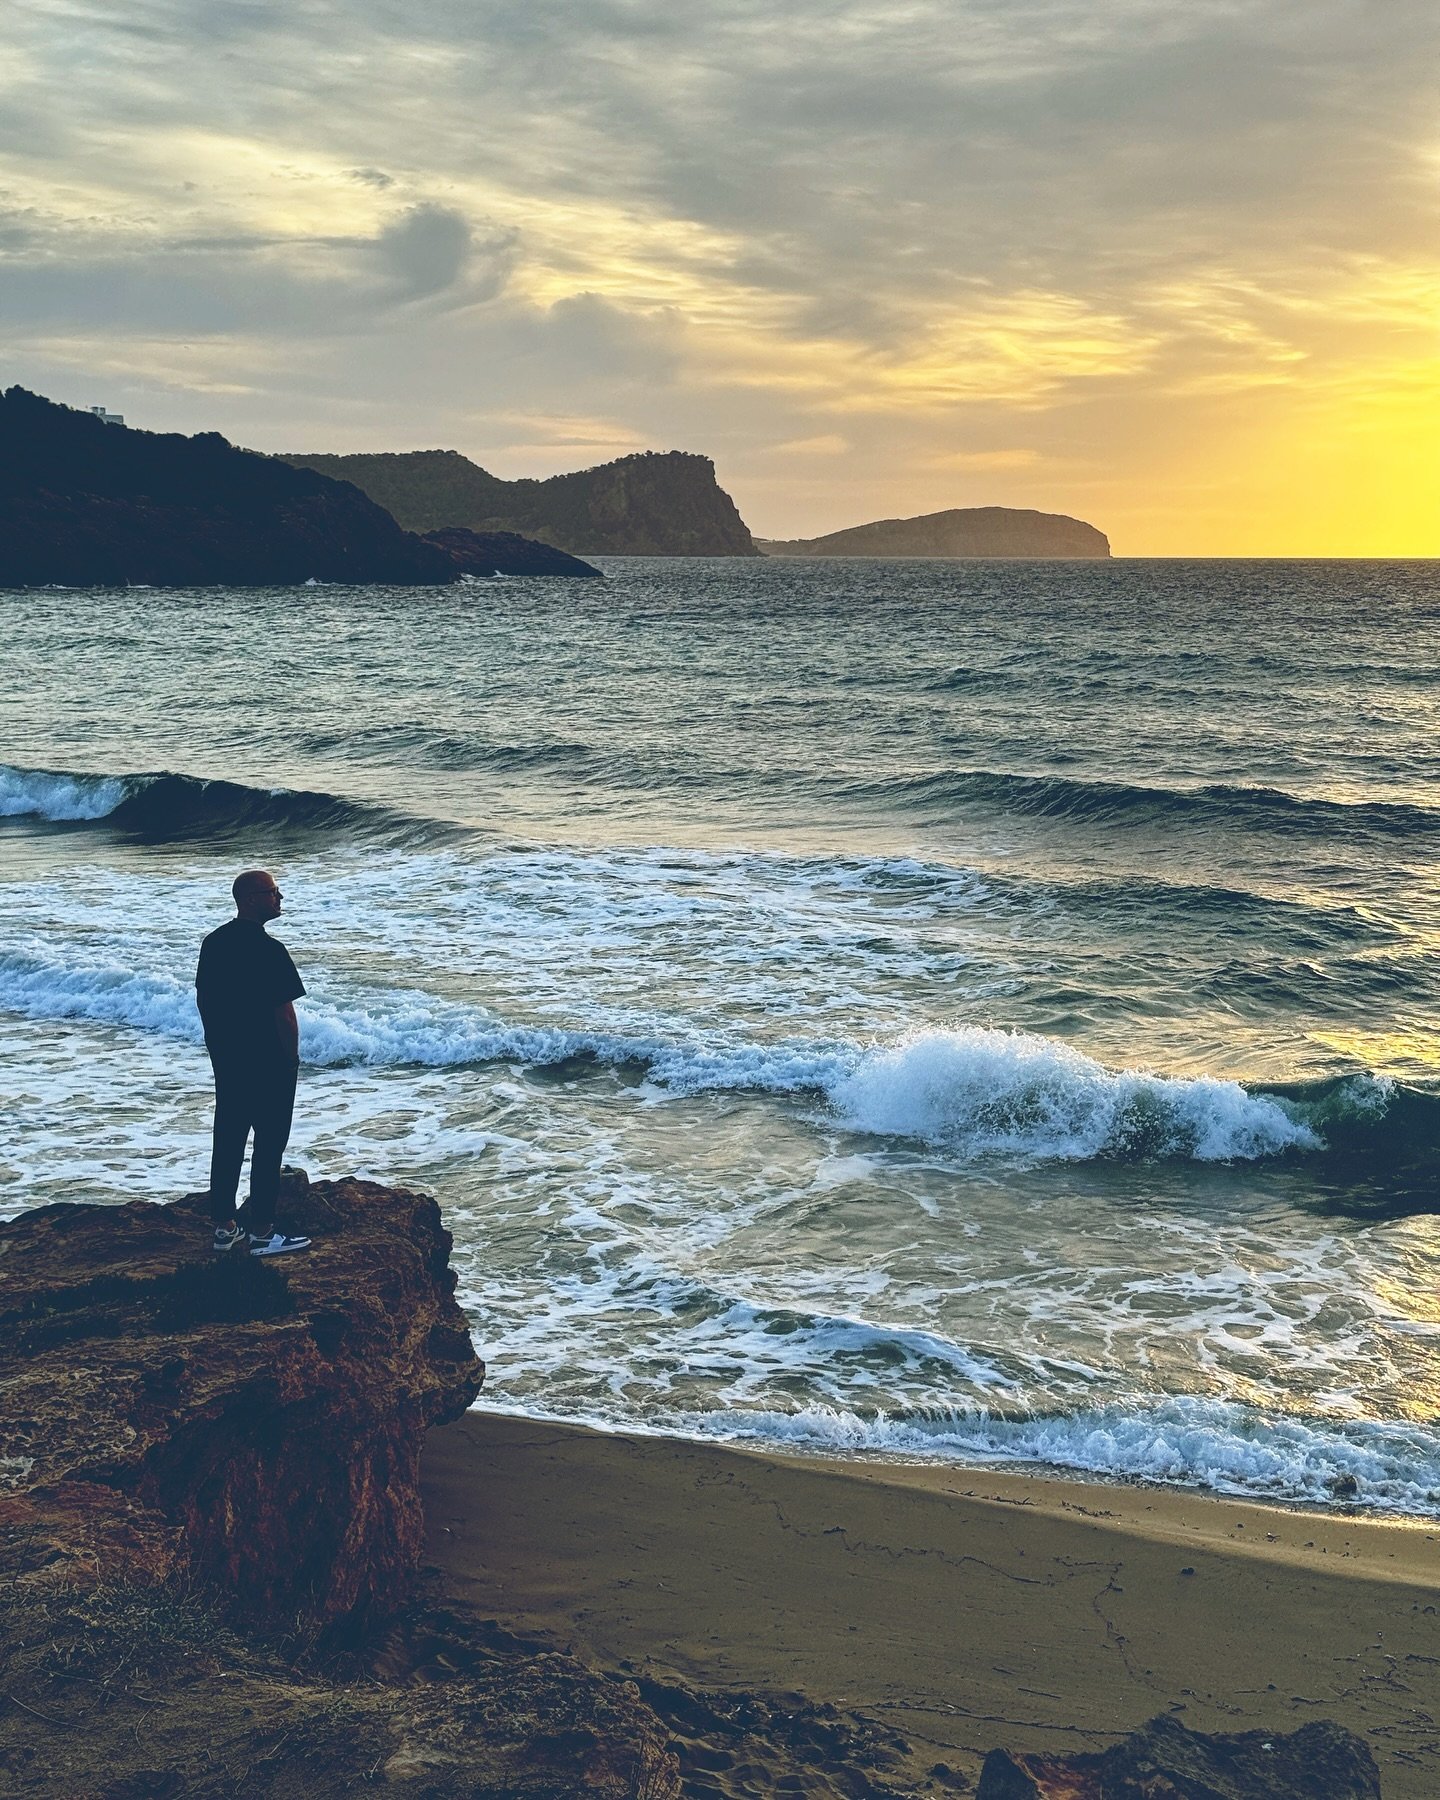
<point>109,417</point>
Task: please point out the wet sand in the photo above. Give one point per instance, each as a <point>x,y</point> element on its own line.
<point>962,1608</point>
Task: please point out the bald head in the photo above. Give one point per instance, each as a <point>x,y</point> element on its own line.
<point>256,895</point>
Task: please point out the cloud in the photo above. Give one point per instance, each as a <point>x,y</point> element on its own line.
<point>733,224</point>
<point>828,443</point>
<point>426,251</point>
<point>986,459</point>
<point>60,276</point>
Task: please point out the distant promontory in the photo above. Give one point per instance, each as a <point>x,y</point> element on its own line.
<point>652,504</point>
<point>86,501</point>
<point>963,531</point>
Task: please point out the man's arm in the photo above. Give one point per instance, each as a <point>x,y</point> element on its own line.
<point>287,1029</point>
<point>203,978</point>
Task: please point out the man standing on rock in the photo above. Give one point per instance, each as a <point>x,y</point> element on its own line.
<point>246,987</point>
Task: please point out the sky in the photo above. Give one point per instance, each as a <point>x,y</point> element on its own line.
<point>1171,266</point>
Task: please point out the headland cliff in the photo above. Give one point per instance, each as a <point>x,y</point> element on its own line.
<point>86,503</point>
<point>651,504</point>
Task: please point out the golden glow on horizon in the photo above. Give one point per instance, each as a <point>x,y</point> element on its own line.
<point>1299,420</point>
<point>1221,411</point>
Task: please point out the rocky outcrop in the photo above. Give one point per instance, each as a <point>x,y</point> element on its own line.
<point>253,1425</point>
<point>974,531</point>
<point>1166,1761</point>
<point>504,553</point>
<point>89,504</point>
<point>126,1693</point>
<point>208,1465</point>
<point>210,1514</point>
<point>652,504</point>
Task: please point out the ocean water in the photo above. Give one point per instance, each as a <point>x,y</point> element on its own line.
<point>985,1012</point>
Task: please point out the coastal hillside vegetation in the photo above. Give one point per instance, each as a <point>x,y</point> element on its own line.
<point>87,502</point>
<point>652,504</point>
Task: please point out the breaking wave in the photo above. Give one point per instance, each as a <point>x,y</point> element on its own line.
<point>163,806</point>
<point>52,794</point>
<point>167,808</point>
<point>972,1091</point>
<point>1019,1094</point>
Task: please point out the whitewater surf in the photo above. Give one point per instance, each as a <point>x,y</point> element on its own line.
<point>978,1013</point>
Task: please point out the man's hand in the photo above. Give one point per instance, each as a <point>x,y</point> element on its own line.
<point>287,1029</point>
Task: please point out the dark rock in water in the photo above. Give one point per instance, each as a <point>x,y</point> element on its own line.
<point>970,531</point>
<point>173,1414</point>
<point>84,503</point>
<point>1164,1760</point>
<point>504,553</point>
<point>652,504</point>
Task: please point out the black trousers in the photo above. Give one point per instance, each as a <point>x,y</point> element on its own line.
<point>258,1098</point>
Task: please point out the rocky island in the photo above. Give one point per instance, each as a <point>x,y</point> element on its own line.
<point>966,531</point>
<point>652,504</point>
<point>88,503</point>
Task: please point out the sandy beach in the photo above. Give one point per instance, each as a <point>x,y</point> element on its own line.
<point>963,1609</point>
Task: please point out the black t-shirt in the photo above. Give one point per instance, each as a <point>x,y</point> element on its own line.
<point>242,976</point>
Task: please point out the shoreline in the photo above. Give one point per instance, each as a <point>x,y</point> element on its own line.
<point>963,1608</point>
<point>894,1466</point>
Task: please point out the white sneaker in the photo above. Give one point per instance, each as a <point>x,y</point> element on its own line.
<point>277,1244</point>
<point>227,1238</point>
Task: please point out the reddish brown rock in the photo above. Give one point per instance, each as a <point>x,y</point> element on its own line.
<point>184,1436</point>
<point>1166,1761</point>
<point>255,1424</point>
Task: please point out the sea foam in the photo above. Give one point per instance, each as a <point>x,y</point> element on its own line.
<point>47,794</point>
<point>971,1091</point>
<point>1014,1092</point>
<point>1183,1440</point>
